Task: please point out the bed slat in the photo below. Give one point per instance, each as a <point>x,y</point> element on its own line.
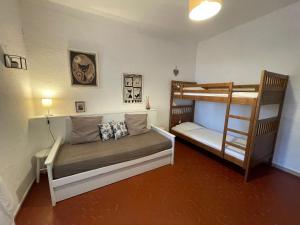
<point>219,91</point>
<point>235,145</point>
<point>240,117</point>
<point>237,131</point>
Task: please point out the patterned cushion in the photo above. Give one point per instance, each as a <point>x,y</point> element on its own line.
<point>106,131</point>
<point>120,130</point>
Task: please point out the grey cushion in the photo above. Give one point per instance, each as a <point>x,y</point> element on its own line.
<point>85,129</point>
<point>136,123</point>
<point>73,159</point>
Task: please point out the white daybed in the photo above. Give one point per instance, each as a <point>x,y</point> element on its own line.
<point>72,185</point>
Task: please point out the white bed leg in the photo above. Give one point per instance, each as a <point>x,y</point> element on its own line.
<point>173,151</point>
<point>49,162</point>
<point>50,179</point>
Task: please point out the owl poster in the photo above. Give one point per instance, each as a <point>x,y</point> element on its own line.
<point>83,68</point>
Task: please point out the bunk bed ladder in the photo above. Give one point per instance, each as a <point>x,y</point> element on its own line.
<point>228,106</point>
<point>246,134</point>
<point>243,133</point>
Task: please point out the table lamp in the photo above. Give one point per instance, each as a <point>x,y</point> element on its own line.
<point>47,103</point>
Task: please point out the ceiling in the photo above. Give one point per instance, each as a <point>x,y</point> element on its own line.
<point>169,18</point>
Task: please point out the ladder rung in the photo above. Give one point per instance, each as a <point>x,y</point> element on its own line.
<point>235,145</point>
<point>240,117</point>
<point>237,131</point>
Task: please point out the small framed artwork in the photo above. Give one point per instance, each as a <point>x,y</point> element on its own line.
<point>132,88</point>
<point>83,68</point>
<point>128,81</point>
<point>137,81</point>
<point>80,107</point>
<point>128,93</point>
<point>137,92</point>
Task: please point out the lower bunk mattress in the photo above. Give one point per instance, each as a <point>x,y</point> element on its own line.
<point>211,138</point>
<point>74,159</point>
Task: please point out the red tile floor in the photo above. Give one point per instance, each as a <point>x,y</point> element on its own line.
<point>198,189</point>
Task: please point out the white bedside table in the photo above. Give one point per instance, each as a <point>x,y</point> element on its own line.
<point>40,156</point>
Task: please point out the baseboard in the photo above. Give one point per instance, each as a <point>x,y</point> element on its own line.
<point>288,170</point>
<point>23,197</point>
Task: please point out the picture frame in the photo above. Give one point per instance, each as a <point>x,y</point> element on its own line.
<point>80,107</point>
<point>128,81</point>
<point>83,68</point>
<point>15,62</point>
<point>132,88</point>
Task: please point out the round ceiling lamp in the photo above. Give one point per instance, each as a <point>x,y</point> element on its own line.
<point>204,9</point>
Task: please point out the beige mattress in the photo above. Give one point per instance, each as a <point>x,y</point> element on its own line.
<point>211,138</point>
<point>73,159</point>
<point>234,94</point>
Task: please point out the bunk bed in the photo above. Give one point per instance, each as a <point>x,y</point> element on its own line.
<point>243,148</point>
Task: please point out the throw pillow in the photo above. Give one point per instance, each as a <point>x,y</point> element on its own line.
<point>84,129</point>
<point>106,131</point>
<point>136,123</point>
<point>120,130</point>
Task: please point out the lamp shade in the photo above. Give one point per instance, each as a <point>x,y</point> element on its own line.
<point>204,9</point>
<point>47,102</point>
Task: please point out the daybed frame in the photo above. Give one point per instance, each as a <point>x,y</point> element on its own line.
<point>262,133</point>
<point>73,185</point>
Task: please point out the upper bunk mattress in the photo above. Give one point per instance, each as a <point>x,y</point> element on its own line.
<point>211,138</point>
<point>234,94</point>
<point>74,159</point>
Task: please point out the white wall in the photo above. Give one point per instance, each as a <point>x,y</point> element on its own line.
<point>15,106</point>
<point>51,30</point>
<point>240,54</point>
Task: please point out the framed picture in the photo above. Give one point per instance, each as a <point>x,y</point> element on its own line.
<point>128,82</point>
<point>137,81</point>
<point>137,92</point>
<point>80,107</point>
<point>132,88</point>
<point>83,68</point>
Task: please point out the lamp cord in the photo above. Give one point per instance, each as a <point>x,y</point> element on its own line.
<point>49,127</point>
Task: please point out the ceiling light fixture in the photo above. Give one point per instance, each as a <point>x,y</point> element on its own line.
<point>204,9</point>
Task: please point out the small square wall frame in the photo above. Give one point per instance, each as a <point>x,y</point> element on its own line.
<point>15,62</point>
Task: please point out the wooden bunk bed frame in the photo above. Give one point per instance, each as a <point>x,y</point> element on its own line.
<point>262,133</point>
